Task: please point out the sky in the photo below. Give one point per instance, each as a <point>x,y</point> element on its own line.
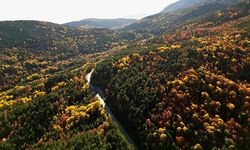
<point>62,11</point>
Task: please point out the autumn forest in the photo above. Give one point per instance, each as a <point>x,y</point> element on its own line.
<point>174,80</point>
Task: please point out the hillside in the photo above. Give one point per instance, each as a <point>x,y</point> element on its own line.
<point>166,22</point>
<point>33,47</point>
<point>163,23</point>
<point>56,112</point>
<point>180,5</point>
<point>183,4</point>
<point>44,35</point>
<point>188,89</point>
<point>45,101</point>
<point>101,23</point>
<point>175,80</point>
<point>28,47</point>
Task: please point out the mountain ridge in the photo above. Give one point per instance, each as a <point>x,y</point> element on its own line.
<point>101,23</point>
<point>176,80</point>
<point>183,4</point>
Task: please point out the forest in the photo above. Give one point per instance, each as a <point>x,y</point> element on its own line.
<point>190,83</point>
<point>174,80</point>
<point>58,113</point>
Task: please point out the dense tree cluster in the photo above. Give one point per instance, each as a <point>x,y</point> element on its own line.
<point>189,89</point>
<point>162,23</point>
<point>22,65</point>
<point>185,89</point>
<point>39,36</point>
<point>29,49</point>
<point>56,112</point>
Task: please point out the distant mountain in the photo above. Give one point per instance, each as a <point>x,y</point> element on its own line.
<point>39,35</point>
<point>26,44</point>
<point>177,14</point>
<point>187,88</point>
<point>161,23</point>
<point>182,4</point>
<point>101,23</point>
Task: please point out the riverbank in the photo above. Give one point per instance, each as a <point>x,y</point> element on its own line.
<point>99,95</point>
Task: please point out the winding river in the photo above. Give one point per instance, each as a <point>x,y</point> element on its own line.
<point>113,118</point>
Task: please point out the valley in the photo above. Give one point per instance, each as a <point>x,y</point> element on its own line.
<point>178,79</point>
<point>107,109</point>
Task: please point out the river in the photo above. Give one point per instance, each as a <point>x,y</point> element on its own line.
<point>106,107</point>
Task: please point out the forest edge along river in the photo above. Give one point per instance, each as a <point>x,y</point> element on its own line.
<point>113,118</point>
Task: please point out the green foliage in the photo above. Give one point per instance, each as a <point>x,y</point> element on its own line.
<point>65,117</point>
<point>191,83</point>
<point>188,89</point>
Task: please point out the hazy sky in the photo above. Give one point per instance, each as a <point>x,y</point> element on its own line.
<point>61,11</point>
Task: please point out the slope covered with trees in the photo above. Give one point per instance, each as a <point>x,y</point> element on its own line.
<point>188,89</point>
<point>53,37</point>
<point>177,80</point>
<point>45,102</point>
<point>184,4</point>
<point>101,23</point>
<point>166,22</point>
<point>56,112</point>
<point>30,48</point>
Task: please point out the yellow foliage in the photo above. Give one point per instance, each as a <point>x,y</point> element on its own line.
<point>197,147</point>
<point>231,106</point>
<point>182,124</point>
<point>41,85</point>
<point>31,77</point>
<point>57,127</point>
<point>6,97</point>
<point>103,113</point>
<point>38,93</point>
<point>175,46</point>
<point>25,99</point>
<point>218,89</point>
<point>206,116</point>
<point>185,129</point>
<point>85,87</point>
<point>4,140</point>
<point>55,88</point>
<point>19,88</point>
<point>82,108</point>
<point>70,108</point>
<point>237,36</point>
<point>163,48</point>
<point>106,124</point>
<point>76,113</point>
<point>4,103</point>
<point>60,84</point>
<point>194,106</point>
<point>96,105</point>
<point>212,128</point>
<point>205,95</point>
<point>162,130</point>
<point>178,129</point>
<point>210,86</point>
<point>163,137</point>
<point>122,63</point>
<point>82,115</point>
<point>195,116</point>
<point>219,14</point>
<point>137,57</point>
